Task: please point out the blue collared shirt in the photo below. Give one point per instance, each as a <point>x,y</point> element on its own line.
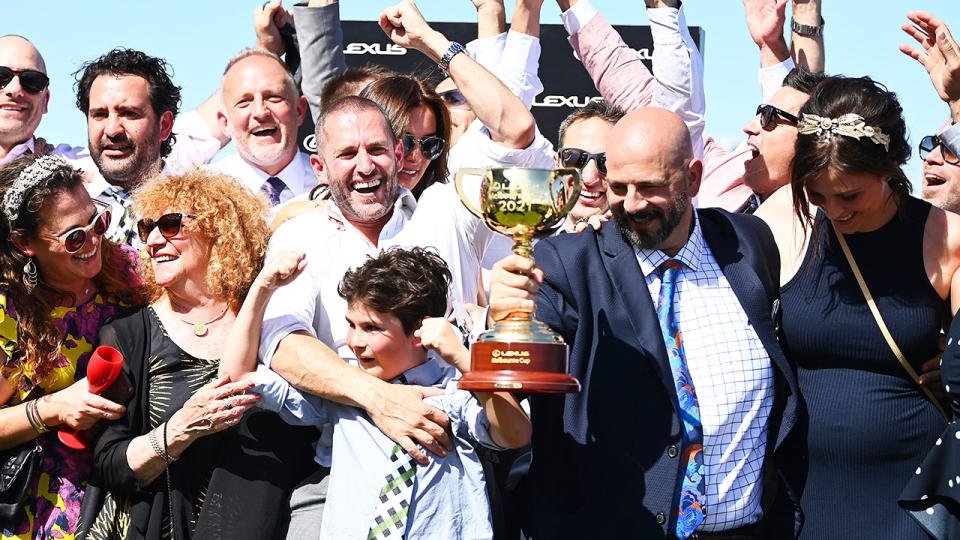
<point>449,494</point>
<point>732,376</point>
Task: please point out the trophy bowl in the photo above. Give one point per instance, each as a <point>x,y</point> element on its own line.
<point>520,353</point>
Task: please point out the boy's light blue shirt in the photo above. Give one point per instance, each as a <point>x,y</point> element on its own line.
<point>449,495</point>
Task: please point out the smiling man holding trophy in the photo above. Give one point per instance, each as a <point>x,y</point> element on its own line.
<point>670,317</point>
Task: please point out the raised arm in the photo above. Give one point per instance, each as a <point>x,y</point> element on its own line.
<point>807,48</point>
<point>505,116</point>
<point>239,358</point>
<point>320,39</point>
<point>940,56</point>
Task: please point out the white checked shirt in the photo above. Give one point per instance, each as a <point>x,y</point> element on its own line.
<point>732,377</point>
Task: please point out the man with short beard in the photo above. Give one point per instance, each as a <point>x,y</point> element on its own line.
<point>652,422</point>
<point>131,104</point>
<point>260,110</point>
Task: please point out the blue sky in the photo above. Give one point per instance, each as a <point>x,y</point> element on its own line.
<point>198,37</point>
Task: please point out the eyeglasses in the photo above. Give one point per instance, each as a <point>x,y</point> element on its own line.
<point>575,157</point>
<point>30,80</point>
<point>768,117</point>
<point>74,239</point>
<point>454,98</point>
<point>931,142</point>
<point>169,225</point>
<point>431,146</point>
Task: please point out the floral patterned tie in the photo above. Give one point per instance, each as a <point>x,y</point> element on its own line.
<point>689,502</point>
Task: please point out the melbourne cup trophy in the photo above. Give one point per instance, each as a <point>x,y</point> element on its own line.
<point>520,353</point>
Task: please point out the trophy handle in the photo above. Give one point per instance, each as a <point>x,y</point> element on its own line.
<point>572,199</point>
<point>458,182</point>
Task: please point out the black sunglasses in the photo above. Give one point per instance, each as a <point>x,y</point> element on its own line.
<point>453,98</point>
<point>575,157</point>
<point>930,143</point>
<point>30,80</point>
<point>74,239</point>
<point>768,117</point>
<point>431,146</point>
<point>169,225</point>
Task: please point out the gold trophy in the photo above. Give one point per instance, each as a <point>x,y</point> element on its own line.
<point>520,353</point>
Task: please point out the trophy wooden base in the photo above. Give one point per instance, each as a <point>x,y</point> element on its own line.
<point>530,368</point>
<point>533,382</point>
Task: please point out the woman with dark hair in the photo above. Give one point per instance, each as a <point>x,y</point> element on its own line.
<point>60,279</point>
<point>859,253</point>
<point>420,119</point>
<point>184,461</point>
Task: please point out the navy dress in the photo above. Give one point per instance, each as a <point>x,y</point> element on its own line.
<point>869,425</point>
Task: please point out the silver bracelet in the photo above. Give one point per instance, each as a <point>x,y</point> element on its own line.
<point>156,446</point>
<point>806,29</point>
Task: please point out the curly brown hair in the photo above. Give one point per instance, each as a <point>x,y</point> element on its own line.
<point>39,336</point>
<point>230,218</point>
<point>409,284</point>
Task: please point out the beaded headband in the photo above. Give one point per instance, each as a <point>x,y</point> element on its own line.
<point>848,125</point>
<point>29,178</point>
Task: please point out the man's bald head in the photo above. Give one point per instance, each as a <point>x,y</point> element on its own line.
<point>22,110</point>
<point>650,133</point>
<point>651,178</point>
<point>22,46</point>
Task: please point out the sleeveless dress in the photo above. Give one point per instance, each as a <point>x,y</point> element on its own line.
<point>869,425</point>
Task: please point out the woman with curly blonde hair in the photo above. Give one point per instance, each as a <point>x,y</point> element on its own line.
<point>171,465</point>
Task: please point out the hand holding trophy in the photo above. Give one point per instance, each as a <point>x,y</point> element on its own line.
<point>520,353</point>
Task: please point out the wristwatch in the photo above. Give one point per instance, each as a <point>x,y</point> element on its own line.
<point>454,49</point>
<point>806,29</point>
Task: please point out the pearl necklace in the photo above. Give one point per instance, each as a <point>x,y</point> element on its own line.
<point>200,328</point>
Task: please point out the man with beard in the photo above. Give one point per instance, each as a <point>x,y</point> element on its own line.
<point>702,418</point>
<point>131,104</point>
<point>260,110</point>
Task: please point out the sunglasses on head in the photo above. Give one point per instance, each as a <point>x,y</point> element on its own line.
<point>169,225</point>
<point>74,239</point>
<point>30,80</point>
<point>930,143</point>
<point>575,157</point>
<point>453,98</point>
<point>431,146</point>
<point>768,117</point>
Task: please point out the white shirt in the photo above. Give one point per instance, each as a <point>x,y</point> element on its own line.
<point>732,377</point>
<point>297,176</point>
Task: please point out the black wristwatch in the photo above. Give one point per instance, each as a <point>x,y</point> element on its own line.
<point>806,29</point>
<point>454,49</point>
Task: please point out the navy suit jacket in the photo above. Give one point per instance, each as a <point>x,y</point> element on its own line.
<point>605,461</point>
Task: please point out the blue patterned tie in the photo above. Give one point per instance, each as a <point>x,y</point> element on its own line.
<point>273,187</point>
<point>689,502</point>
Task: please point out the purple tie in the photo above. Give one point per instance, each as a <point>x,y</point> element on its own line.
<point>272,187</point>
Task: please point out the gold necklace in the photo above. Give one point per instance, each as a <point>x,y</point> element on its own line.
<point>200,328</point>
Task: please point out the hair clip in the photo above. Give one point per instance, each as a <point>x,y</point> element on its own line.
<point>29,178</point>
<point>849,125</point>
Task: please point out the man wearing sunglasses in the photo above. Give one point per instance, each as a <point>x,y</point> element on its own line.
<point>941,152</point>
<point>24,94</point>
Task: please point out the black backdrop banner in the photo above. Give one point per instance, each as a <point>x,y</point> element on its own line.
<point>567,86</point>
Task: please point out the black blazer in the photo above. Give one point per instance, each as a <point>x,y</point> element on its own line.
<point>605,462</point>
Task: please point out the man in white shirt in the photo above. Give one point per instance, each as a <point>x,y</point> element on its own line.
<point>260,110</point>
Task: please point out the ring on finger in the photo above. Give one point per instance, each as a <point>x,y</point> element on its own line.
<point>226,404</point>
